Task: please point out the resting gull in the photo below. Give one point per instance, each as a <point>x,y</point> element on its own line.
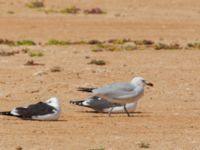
<point>49,110</point>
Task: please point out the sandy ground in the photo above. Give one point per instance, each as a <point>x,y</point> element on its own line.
<point>168,116</point>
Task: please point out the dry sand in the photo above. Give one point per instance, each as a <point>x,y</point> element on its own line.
<point>168,116</point>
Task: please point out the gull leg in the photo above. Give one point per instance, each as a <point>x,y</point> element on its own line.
<point>126,110</point>
<point>109,114</point>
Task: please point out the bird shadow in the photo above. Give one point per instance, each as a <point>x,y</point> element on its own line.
<point>132,114</point>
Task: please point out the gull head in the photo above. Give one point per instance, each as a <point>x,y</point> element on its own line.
<point>140,81</point>
<point>54,102</point>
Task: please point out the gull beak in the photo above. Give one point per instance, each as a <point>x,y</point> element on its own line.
<point>149,84</point>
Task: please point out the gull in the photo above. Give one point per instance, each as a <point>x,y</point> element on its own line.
<point>101,105</point>
<point>120,93</point>
<point>49,110</point>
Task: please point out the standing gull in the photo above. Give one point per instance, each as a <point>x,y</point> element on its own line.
<point>102,105</point>
<point>49,110</point>
<point>120,93</point>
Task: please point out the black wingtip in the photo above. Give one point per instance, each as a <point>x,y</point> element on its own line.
<point>79,103</point>
<point>84,89</point>
<point>6,113</point>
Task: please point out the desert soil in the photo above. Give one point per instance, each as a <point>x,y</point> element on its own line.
<point>168,116</point>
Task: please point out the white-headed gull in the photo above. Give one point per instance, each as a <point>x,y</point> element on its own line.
<point>120,93</point>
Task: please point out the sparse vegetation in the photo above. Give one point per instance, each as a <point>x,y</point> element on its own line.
<point>144,42</point>
<point>4,53</point>
<point>32,63</point>
<point>129,46</point>
<point>6,42</point>
<point>35,54</point>
<point>144,145</point>
<point>101,148</point>
<point>108,47</point>
<point>118,41</point>
<point>97,62</point>
<point>35,4</point>
<point>25,43</point>
<point>94,11</point>
<point>194,45</point>
<point>25,50</point>
<point>70,10</point>
<point>93,42</point>
<point>57,42</point>
<point>96,49</point>
<point>56,69</point>
<point>161,46</point>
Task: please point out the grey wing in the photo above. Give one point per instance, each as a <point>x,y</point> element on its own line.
<point>117,91</point>
<point>99,104</point>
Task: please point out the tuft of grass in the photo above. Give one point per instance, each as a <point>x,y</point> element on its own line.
<point>56,69</point>
<point>4,53</point>
<point>93,42</point>
<point>70,10</point>
<point>32,63</point>
<point>97,49</point>
<point>57,42</point>
<point>144,42</point>
<point>97,62</point>
<point>7,42</point>
<point>35,54</point>
<point>101,148</point>
<point>78,42</point>
<point>25,43</point>
<point>119,41</point>
<point>94,11</point>
<point>194,45</point>
<point>144,145</point>
<point>35,4</point>
<point>161,46</point>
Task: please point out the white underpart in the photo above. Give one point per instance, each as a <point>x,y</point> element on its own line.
<point>53,116</point>
<point>14,112</point>
<point>131,107</point>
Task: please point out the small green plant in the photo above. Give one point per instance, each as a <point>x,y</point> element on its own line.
<point>57,42</point>
<point>35,4</point>
<point>70,10</point>
<point>97,49</point>
<point>25,43</point>
<point>101,148</point>
<point>97,62</point>
<point>144,145</point>
<point>35,54</point>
